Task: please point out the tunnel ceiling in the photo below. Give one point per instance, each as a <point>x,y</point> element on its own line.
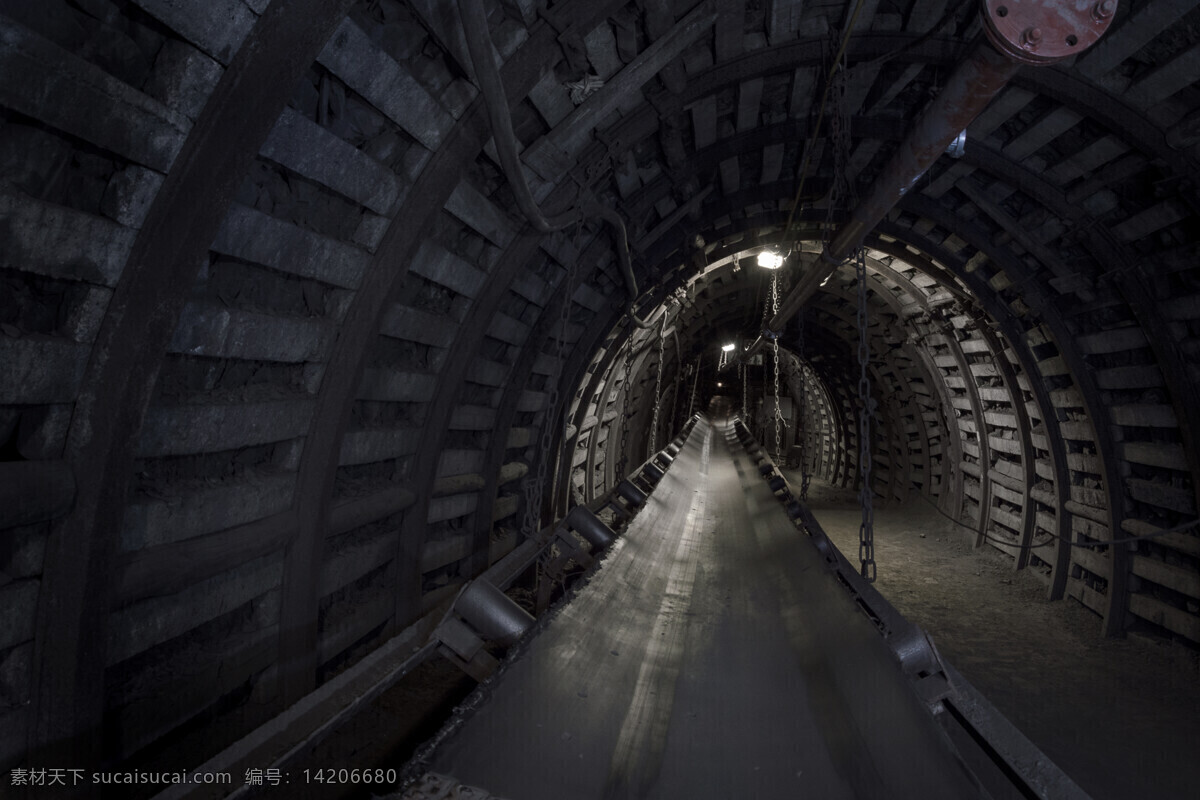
<point>285,366</point>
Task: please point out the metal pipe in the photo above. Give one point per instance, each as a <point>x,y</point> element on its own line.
<point>974,83</point>
<point>1016,33</point>
<point>479,46</point>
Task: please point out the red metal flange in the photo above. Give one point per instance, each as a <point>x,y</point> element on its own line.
<point>1044,31</point>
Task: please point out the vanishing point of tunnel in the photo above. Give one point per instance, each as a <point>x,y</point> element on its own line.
<point>338,339</point>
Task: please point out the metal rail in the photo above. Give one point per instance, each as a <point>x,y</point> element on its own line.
<point>972,721</point>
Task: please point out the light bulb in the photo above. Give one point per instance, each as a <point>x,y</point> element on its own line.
<point>769,260</point>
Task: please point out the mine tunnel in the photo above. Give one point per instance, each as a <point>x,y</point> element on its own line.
<point>317,316</point>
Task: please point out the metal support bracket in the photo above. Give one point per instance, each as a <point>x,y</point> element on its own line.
<point>480,612</point>
<point>463,648</point>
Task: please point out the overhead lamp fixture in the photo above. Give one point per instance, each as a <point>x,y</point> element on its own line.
<point>719,384</point>
<point>729,348</point>
<point>958,146</point>
<point>769,259</point>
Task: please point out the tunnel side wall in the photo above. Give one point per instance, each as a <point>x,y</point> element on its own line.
<point>278,378</point>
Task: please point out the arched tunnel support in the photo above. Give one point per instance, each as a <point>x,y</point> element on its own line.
<point>178,228</point>
<point>278,352</point>
<point>879,648</point>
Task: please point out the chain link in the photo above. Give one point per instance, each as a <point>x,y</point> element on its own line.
<point>745,396</point>
<point>695,383</point>
<point>662,335</point>
<point>626,414</point>
<point>866,531</point>
<point>534,489</point>
<point>841,192</point>
<point>775,349</point>
<point>840,134</point>
<point>672,420</point>
<point>802,415</point>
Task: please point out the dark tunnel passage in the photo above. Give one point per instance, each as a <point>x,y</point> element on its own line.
<point>285,365</point>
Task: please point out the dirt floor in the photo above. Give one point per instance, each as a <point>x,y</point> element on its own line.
<point>1121,716</point>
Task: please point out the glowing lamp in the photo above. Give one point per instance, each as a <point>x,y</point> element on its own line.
<point>769,260</point>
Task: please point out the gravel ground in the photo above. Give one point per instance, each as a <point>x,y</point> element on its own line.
<point>1121,716</point>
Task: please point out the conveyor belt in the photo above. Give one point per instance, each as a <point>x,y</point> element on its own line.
<point>711,656</point>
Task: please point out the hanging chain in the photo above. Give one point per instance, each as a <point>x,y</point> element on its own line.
<point>695,383</point>
<point>841,191</point>
<point>805,474</point>
<point>745,396</point>
<point>662,335</point>
<point>775,348</point>
<point>623,453</point>
<point>671,419</point>
<point>685,372</point>
<point>840,133</point>
<point>866,531</point>
<point>534,489</point>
